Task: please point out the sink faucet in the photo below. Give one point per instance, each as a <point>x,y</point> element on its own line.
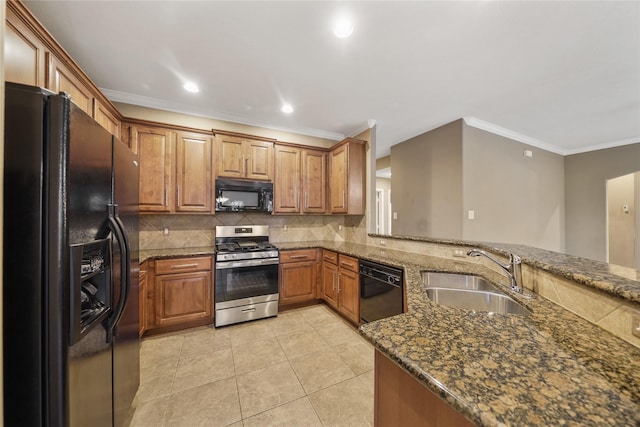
<point>513,269</point>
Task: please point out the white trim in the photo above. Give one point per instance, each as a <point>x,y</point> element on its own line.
<point>368,125</point>
<point>490,127</point>
<point>149,102</point>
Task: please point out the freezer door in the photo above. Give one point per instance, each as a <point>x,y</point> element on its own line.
<point>126,347</point>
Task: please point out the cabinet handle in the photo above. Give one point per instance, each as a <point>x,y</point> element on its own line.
<point>175,267</point>
<point>338,274</point>
<point>346,264</point>
<point>298,256</point>
<point>246,165</point>
<point>299,200</point>
<point>343,204</point>
<point>179,200</point>
<point>306,200</point>
<point>333,276</point>
<point>166,195</point>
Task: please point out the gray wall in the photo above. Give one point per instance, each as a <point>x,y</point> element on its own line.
<point>426,184</point>
<point>585,196</point>
<point>516,199</point>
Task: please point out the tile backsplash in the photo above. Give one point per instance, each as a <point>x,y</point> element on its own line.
<point>192,231</point>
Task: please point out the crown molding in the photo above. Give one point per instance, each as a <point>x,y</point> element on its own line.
<point>603,146</point>
<point>490,127</point>
<point>149,102</point>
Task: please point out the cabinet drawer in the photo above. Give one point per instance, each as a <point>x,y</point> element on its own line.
<point>328,256</point>
<point>182,265</point>
<point>297,255</point>
<point>348,263</point>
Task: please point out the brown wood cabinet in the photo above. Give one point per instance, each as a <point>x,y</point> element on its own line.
<point>400,400</point>
<point>194,175</point>
<point>300,180</point>
<point>34,57</point>
<point>142,301</point>
<point>341,284</point>
<point>347,178</point>
<point>155,147</point>
<point>240,156</point>
<point>183,292</point>
<point>298,276</point>
<point>330,278</point>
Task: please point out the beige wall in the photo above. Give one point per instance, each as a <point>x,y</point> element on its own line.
<point>426,184</point>
<point>585,196</point>
<point>621,223</point>
<point>144,113</point>
<point>516,199</point>
<point>383,162</point>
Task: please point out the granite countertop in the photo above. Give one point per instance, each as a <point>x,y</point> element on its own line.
<point>549,368</point>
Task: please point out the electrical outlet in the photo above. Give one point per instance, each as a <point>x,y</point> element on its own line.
<point>458,253</point>
<point>339,227</point>
<point>285,227</point>
<point>383,243</point>
<point>165,231</point>
<point>635,326</point>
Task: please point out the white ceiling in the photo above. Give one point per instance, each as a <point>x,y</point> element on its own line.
<point>564,76</point>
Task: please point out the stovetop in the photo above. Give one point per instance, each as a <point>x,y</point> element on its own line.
<point>244,246</point>
<point>244,242</point>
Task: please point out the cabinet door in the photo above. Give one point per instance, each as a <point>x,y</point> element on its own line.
<point>231,157</point>
<point>259,159</point>
<point>62,80</point>
<point>330,284</point>
<point>297,282</point>
<point>193,178</point>
<point>24,53</point>
<point>106,119</point>
<point>183,297</point>
<point>287,180</point>
<point>349,295</point>
<point>338,160</point>
<point>155,148</point>
<point>314,181</point>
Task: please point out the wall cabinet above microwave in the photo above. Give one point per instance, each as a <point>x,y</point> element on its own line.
<point>243,157</point>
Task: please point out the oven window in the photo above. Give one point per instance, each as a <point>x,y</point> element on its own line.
<point>246,282</point>
<point>237,199</point>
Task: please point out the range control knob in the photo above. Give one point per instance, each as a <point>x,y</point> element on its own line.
<point>392,279</point>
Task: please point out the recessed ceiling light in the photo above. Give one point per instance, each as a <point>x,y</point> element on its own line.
<point>343,27</point>
<point>287,108</point>
<point>191,87</point>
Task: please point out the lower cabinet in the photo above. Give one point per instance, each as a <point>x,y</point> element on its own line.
<point>182,293</point>
<point>341,284</point>
<point>298,276</point>
<point>400,400</point>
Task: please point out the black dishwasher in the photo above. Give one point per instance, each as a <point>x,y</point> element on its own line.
<point>381,291</point>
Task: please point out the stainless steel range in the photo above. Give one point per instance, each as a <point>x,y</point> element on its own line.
<point>246,286</point>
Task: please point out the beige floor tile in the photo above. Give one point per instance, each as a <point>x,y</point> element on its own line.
<point>320,370</point>
<point>358,355</point>
<point>349,403</point>
<point>297,413</point>
<point>206,368</point>
<point>257,354</point>
<point>248,332</point>
<point>338,332</point>
<point>205,341</point>
<point>150,371</point>
<point>160,349</point>
<point>212,404</point>
<point>267,388</point>
<point>317,314</point>
<point>158,386</point>
<point>151,413</point>
<point>287,323</point>
<point>298,343</point>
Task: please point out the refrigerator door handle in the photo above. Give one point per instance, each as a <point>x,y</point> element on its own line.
<point>115,226</point>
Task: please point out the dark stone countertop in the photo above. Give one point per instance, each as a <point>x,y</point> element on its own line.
<point>549,368</point>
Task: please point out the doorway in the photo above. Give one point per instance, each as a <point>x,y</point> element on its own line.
<point>623,220</point>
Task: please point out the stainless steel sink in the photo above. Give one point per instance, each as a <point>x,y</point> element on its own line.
<point>434,279</point>
<point>469,292</point>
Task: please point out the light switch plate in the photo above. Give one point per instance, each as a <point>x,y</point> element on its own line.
<point>635,326</point>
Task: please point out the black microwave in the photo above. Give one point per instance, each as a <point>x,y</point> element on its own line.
<point>236,195</point>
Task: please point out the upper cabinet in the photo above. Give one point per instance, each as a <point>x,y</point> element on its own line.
<point>194,176</point>
<point>176,174</point>
<point>347,177</point>
<point>300,180</point>
<point>240,156</point>
<point>33,57</point>
<point>156,148</point>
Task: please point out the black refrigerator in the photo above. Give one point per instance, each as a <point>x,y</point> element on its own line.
<point>71,321</point>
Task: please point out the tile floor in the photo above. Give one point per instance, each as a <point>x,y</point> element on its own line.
<point>305,367</point>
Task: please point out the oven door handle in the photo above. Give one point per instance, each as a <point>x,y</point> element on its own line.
<point>221,265</point>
